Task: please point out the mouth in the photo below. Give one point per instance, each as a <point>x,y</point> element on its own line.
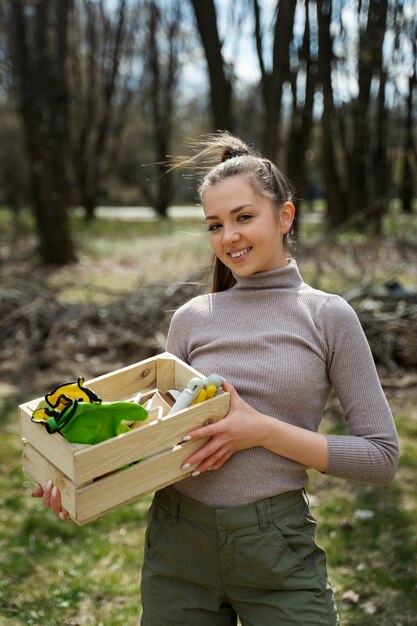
<point>239,254</point>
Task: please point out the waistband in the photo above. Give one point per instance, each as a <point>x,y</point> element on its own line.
<point>260,513</point>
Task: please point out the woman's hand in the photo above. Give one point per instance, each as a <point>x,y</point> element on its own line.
<point>242,428</point>
<point>51,499</point>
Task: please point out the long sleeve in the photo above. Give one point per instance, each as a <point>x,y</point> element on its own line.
<point>177,338</point>
<point>370,451</point>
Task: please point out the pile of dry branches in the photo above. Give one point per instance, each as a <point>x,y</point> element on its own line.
<point>389,319</point>
<point>44,341</point>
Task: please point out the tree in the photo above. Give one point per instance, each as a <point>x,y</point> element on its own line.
<point>362,190</point>
<point>157,94</point>
<point>329,129</point>
<point>39,35</point>
<point>13,164</point>
<point>101,44</point>
<point>4,53</point>
<point>302,116</point>
<point>13,170</point>
<point>272,81</point>
<point>408,187</point>
<point>220,81</point>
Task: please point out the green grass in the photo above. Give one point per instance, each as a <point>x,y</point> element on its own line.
<point>375,557</point>
<point>370,536</point>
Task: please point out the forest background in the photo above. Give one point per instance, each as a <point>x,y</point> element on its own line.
<point>95,96</point>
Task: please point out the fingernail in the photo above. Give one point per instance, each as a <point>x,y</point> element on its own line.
<point>195,473</point>
<point>54,491</point>
<point>186,466</point>
<point>48,484</point>
<point>186,438</point>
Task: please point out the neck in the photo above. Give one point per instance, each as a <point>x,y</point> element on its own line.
<point>287,276</point>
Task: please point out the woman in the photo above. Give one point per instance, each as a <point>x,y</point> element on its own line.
<point>236,537</point>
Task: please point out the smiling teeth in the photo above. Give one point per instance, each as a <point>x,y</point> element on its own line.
<point>235,255</point>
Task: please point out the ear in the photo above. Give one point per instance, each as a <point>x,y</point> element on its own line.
<point>286,217</point>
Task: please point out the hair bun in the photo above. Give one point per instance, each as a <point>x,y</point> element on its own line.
<point>231,153</point>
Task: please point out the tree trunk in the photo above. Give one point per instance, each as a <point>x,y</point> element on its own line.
<point>370,64</point>
<point>408,189</point>
<point>379,179</point>
<point>158,95</point>
<point>301,124</point>
<point>329,127</point>
<point>272,81</point>
<point>98,47</point>
<point>39,63</point>
<point>220,83</point>
<point>283,34</point>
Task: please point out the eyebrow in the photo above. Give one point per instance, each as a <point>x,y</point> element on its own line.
<point>232,212</point>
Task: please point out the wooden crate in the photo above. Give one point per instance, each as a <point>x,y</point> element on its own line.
<point>89,477</point>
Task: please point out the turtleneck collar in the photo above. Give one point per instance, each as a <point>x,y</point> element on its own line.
<point>287,277</point>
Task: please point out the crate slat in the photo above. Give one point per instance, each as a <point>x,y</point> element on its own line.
<point>125,382</point>
<point>157,472</point>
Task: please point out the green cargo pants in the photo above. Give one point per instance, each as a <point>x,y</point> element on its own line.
<point>259,561</point>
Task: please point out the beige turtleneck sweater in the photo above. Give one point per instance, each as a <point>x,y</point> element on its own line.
<point>284,345</point>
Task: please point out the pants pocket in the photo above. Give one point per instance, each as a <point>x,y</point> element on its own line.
<point>297,531</point>
<point>282,556</point>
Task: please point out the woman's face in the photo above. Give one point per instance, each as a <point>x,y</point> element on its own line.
<point>246,230</point>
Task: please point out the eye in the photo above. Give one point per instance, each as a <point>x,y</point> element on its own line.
<point>213,227</point>
<point>244,217</point>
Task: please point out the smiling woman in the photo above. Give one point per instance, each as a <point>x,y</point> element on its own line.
<point>244,529</point>
<point>246,229</point>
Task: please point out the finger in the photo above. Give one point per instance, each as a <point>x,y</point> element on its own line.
<point>234,396</point>
<point>203,453</point>
<point>64,515</point>
<point>213,462</point>
<point>217,465</point>
<point>201,433</point>
<point>231,390</point>
<point>208,456</point>
<point>37,492</point>
<point>228,387</point>
<point>56,501</point>
<point>47,491</point>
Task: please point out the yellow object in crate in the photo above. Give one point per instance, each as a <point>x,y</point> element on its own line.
<point>86,475</point>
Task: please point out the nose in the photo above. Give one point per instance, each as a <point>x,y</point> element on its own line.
<point>230,234</point>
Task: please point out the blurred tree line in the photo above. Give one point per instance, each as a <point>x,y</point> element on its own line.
<point>94,94</point>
